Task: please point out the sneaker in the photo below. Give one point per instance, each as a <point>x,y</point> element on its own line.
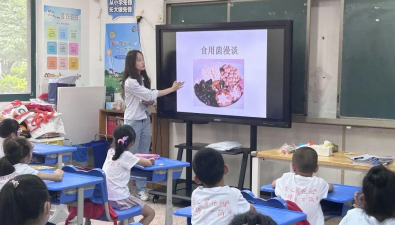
<point>143,195</point>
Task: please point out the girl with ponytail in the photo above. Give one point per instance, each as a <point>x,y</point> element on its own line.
<point>117,167</point>
<point>18,154</point>
<point>24,201</point>
<point>376,204</point>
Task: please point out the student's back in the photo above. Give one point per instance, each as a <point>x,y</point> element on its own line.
<point>302,188</point>
<point>377,201</point>
<point>214,203</point>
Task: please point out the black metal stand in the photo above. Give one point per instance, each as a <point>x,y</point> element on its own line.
<point>182,189</point>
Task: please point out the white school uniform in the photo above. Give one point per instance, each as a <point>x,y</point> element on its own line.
<point>20,169</point>
<point>218,205</point>
<point>358,216</point>
<point>306,192</point>
<point>118,174</point>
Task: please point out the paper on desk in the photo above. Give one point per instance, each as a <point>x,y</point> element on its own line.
<point>225,146</point>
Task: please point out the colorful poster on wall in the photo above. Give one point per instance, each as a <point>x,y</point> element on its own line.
<point>62,35</point>
<point>118,8</point>
<point>120,39</point>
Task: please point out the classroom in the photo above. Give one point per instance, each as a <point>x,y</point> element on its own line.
<point>173,112</point>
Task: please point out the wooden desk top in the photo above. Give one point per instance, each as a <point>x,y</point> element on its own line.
<point>338,160</point>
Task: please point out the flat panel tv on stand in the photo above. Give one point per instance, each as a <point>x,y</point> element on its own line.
<point>236,73</point>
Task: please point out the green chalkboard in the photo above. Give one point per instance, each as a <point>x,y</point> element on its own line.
<point>368,59</point>
<point>199,13</point>
<point>295,10</point>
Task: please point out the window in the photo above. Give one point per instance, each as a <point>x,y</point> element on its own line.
<point>17,50</point>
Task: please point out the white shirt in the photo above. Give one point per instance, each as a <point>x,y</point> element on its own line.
<point>5,179</point>
<point>20,169</point>
<point>118,174</point>
<point>217,205</point>
<point>359,217</point>
<point>306,192</point>
<point>134,94</point>
<point>1,148</point>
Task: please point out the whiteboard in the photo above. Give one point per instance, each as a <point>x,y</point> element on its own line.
<point>80,111</point>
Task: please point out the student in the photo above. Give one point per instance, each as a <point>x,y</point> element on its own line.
<point>117,167</point>
<point>18,153</point>
<point>302,188</point>
<point>377,202</point>
<point>8,128</point>
<point>252,218</point>
<point>138,96</point>
<point>214,203</point>
<point>24,201</point>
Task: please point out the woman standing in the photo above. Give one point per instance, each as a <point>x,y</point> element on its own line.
<point>138,96</point>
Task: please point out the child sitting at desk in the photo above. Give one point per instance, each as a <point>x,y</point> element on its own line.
<point>214,203</point>
<point>377,202</point>
<point>302,188</point>
<point>8,128</point>
<point>117,167</point>
<point>24,201</point>
<point>18,153</point>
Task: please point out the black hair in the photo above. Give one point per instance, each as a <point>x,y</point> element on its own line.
<point>252,218</point>
<point>208,166</point>
<point>305,159</point>
<point>131,71</point>
<point>124,131</point>
<point>378,189</point>
<point>24,201</point>
<point>8,127</point>
<point>15,149</point>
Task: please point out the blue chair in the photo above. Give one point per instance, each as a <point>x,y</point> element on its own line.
<point>273,202</point>
<point>136,223</point>
<point>336,204</point>
<point>100,196</point>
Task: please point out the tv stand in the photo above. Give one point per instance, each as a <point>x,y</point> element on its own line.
<point>182,189</point>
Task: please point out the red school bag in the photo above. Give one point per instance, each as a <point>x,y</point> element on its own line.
<point>92,211</point>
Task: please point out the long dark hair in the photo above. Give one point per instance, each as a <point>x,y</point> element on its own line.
<point>22,198</point>
<point>378,191</point>
<point>132,72</point>
<point>127,135</point>
<point>15,149</point>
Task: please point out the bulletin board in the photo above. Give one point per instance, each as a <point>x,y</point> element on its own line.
<point>62,35</point>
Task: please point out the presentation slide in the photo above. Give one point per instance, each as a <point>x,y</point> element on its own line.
<point>225,72</point>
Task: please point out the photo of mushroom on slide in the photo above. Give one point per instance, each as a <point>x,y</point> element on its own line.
<point>219,83</point>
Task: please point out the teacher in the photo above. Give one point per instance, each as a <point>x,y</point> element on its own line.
<point>138,96</point>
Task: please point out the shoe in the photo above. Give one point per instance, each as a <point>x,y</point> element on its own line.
<point>143,195</point>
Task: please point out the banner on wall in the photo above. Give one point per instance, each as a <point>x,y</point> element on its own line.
<point>118,8</point>
<point>120,39</point>
<point>62,35</point>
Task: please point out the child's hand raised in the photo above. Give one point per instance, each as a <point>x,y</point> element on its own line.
<point>152,160</point>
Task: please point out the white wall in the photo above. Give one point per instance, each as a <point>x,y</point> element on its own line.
<point>42,84</point>
<point>152,9</point>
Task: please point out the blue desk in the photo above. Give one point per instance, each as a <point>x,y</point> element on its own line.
<point>61,152</point>
<point>163,170</point>
<point>281,216</point>
<point>73,188</point>
<point>335,201</point>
